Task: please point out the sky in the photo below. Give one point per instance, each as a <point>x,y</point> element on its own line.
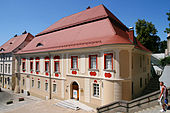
<point>34,16</point>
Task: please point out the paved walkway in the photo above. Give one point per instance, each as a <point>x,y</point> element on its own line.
<point>31,104</point>
<point>155,109</point>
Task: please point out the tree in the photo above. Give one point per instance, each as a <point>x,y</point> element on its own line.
<point>146,34</point>
<point>162,46</point>
<point>165,61</point>
<point>167,30</point>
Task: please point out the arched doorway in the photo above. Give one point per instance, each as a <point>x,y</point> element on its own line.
<point>74,91</point>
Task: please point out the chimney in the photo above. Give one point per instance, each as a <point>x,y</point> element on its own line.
<point>88,7</point>
<point>168,36</point>
<point>131,35</point>
<point>15,35</point>
<point>24,32</point>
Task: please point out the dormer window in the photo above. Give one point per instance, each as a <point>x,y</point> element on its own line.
<point>10,43</point>
<point>2,49</point>
<point>39,45</point>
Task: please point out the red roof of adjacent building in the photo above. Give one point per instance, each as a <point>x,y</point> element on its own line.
<point>92,27</point>
<point>14,43</point>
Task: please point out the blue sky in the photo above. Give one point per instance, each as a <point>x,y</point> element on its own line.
<point>34,16</point>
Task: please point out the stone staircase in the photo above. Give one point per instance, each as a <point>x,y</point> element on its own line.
<point>152,86</point>
<point>75,105</point>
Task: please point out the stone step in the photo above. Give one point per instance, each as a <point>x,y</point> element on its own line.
<point>75,105</point>
<point>66,104</point>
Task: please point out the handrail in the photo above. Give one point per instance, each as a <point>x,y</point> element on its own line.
<point>129,105</point>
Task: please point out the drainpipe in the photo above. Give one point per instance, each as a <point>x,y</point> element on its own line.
<point>50,76</point>
<point>3,69</point>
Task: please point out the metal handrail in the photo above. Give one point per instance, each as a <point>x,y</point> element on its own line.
<point>128,105</point>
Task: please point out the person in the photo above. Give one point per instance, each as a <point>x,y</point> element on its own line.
<point>163,97</point>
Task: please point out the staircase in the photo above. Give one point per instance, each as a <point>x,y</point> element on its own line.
<point>152,86</point>
<point>75,105</point>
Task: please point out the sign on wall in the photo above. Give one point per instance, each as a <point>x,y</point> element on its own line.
<point>75,94</point>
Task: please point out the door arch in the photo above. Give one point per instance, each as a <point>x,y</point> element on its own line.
<point>74,89</point>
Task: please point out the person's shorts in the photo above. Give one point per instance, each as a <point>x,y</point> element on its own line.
<point>166,101</point>
<point>163,101</point>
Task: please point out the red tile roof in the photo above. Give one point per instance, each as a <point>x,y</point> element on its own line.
<point>14,43</point>
<point>92,27</point>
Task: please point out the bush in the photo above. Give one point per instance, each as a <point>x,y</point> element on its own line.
<point>165,61</point>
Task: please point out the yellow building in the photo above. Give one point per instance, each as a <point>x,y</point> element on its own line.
<point>90,56</point>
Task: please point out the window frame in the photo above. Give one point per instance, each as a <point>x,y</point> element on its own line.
<point>23,64</point>
<point>46,86</point>
<point>39,84</point>
<point>47,69</point>
<point>5,68</point>
<point>37,61</point>
<point>55,87</point>
<point>32,83</point>
<point>72,62</point>
<point>31,65</point>
<point>97,93</point>
<point>9,68</point>
<point>91,62</point>
<point>105,60</point>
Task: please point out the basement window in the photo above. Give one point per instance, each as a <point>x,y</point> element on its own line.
<point>39,45</point>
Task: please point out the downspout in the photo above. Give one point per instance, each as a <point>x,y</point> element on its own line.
<point>50,76</point>
<point>3,69</point>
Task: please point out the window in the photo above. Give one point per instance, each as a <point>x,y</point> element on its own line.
<point>9,68</point>
<point>108,61</point>
<point>96,90</point>
<point>5,68</point>
<point>32,83</point>
<point>1,67</point>
<point>93,61</point>
<point>8,80</point>
<point>37,65</point>
<point>74,62</point>
<point>31,65</point>
<point>39,45</point>
<point>140,82</point>
<point>47,65</point>
<point>54,88</point>
<point>46,86</point>
<point>23,64</point>
<point>23,81</point>
<point>39,84</point>
<point>56,66</point>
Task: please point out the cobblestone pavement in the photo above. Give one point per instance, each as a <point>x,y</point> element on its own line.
<point>31,105</point>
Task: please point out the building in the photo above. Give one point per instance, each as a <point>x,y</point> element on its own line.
<point>7,58</point>
<point>167,51</point>
<point>90,56</point>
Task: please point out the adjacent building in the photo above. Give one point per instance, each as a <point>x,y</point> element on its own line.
<point>7,58</point>
<point>90,56</point>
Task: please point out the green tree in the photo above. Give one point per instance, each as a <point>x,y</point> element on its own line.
<point>162,46</point>
<point>167,30</point>
<point>165,61</point>
<point>146,34</point>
